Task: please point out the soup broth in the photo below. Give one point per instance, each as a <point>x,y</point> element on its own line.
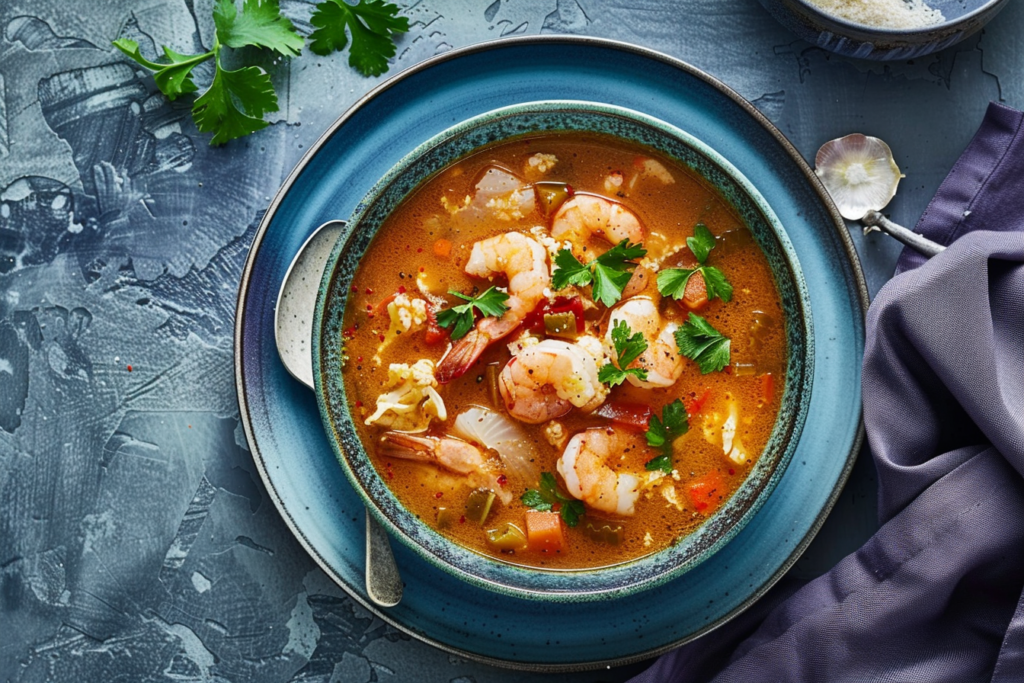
<point>521,412</point>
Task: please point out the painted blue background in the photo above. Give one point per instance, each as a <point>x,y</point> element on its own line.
<point>136,542</point>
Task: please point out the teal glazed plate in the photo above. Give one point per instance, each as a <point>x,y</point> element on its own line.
<point>468,138</point>
<point>295,459</point>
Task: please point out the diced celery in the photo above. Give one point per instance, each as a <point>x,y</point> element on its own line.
<point>446,517</point>
<point>603,532</point>
<point>506,537</point>
<point>478,505</point>
<point>560,324</point>
<point>551,196</point>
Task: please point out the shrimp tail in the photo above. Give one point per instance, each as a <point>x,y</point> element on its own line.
<point>407,446</point>
<point>463,354</point>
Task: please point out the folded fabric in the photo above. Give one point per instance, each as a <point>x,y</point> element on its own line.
<point>935,595</point>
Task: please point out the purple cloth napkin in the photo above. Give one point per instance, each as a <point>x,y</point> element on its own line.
<point>935,595</point>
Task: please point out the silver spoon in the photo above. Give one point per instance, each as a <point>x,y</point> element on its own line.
<point>293,329</point>
<point>874,220</point>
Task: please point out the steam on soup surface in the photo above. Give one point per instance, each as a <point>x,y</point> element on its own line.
<point>564,351</point>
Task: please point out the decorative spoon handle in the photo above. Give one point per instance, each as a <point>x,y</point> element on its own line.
<point>921,244</point>
<point>383,582</point>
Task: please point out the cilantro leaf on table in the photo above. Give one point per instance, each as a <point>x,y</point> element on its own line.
<point>372,25</point>
<point>174,78</point>
<point>628,348</point>
<point>490,303</point>
<point>609,272</point>
<point>672,281</point>
<point>548,495</point>
<point>661,433</point>
<point>260,24</point>
<point>700,342</point>
<point>216,110</point>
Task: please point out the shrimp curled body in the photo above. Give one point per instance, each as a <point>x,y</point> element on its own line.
<point>662,361</point>
<point>588,477</point>
<point>546,380</point>
<point>448,453</point>
<point>584,216</point>
<point>524,261</point>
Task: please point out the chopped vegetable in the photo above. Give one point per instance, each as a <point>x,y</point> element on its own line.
<point>662,433</point>
<point>706,492</point>
<point>561,324</point>
<point>700,342</point>
<point>551,195</point>
<point>411,401</point>
<point>548,495</point>
<point>628,348</point>
<point>632,416</point>
<point>603,532</point>
<point>767,387</point>
<point>435,333</point>
<point>446,517</point>
<point>859,172</point>
<point>544,532</point>
<point>535,322</point>
<point>372,25</point>
<point>494,431</point>
<point>695,405</point>
<point>490,303</point>
<point>491,373</point>
<point>507,537</point>
<point>443,248</point>
<point>696,286</point>
<point>609,273</point>
<point>743,369</point>
<point>478,505</point>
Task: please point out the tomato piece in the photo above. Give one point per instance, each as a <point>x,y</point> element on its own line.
<point>544,532</point>
<point>767,387</point>
<point>706,492</point>
<point>633,416</point>
<point>435,333</point>
<point>694,406</point>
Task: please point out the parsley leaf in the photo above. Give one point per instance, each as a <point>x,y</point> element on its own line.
<point>490,303</point>
<point>372,25</point>
<point>544,500</point>
<point>628,348</point>
<point>700,342</point>
<point>661,433</point>
<point>609,272</point>
<point>216,111</point>
<point>260,24</point>
<point>174,78</point>
<point>701,243</point>
<point>672,281</point>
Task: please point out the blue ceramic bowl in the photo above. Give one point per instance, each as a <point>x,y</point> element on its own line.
<point>463,140</point>
<point>963,18</point>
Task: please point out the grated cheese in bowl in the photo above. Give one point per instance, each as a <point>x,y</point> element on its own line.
<point>891,14</point>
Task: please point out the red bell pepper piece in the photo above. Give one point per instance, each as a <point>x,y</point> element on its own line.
<point>632,416</point>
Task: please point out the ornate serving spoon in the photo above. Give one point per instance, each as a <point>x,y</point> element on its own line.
<point>293,328</point>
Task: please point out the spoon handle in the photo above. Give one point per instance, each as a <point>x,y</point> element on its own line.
<point>920,243</point>
<point>383,582</point>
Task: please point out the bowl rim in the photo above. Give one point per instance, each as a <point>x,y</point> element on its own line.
<point>498,575</point>
<point>896,34</point>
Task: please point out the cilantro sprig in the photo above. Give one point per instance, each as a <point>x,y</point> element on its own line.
<point>609,272</point>
<point>661,433</point>
<point>672,281</point>
<point>545,498</point>
<point>372,24</point>
<point>490,303</point>
<point>700,342</point>
<point>234,103</point>
<point>628,347</point>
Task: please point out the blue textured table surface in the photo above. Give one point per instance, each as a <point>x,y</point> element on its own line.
<point>122,238</point>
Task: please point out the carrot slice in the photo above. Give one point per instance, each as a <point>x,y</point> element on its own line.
<point>442,248</point>
<point>544,532</point>
<point>695,296</point>
<point>767,387</point>
<point>706,492</point>
<point>695,405</point>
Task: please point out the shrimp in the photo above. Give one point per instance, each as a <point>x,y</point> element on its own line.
<point>662,361</point>
<point>546,380</point>
<point>586,215</point>
<point>588,477</point>
<point>454,455</point>
<point>524,261</point>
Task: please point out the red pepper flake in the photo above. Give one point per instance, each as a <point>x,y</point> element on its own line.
<point>407,247</point>
<point>401,289</point>
<point>369,307</point>
<point>732,471</point>
<point>391,475</point>
<point>569,190</point>
<point>355,289</point>
<point>420,250</point>
<point>728,369</point>
<point>359,404</point>
<point>438,494</point>
<point>369,315</point>
<point>359,359</point>
<point>369,291</point>
<point>462,519</point>
<point>502,480</point>
<point>422,269</point>
<point>382,337</point>
<point>349,333</point>
<point>129,368</point>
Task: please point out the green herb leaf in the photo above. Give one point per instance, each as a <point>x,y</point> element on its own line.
<point>661,433</point>
<point>544,499</point>
<point>701,243</point>
<point>700,342</point>
<point>216,111</point>
<point>569,271</point>
<point>174,79</point>
<point>628,347</point>
<point>260,24</point>
<point>716,284</point>
<point>672,281</point>
<point>609,272</point>
<point>372,24</point>
<point>490,303</point>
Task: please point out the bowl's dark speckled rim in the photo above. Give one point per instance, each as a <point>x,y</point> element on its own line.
<point>468,138</point>
<point>835,227</point>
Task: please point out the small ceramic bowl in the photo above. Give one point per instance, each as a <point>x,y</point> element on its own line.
<point>963,18</point>
<point>440,152</point>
